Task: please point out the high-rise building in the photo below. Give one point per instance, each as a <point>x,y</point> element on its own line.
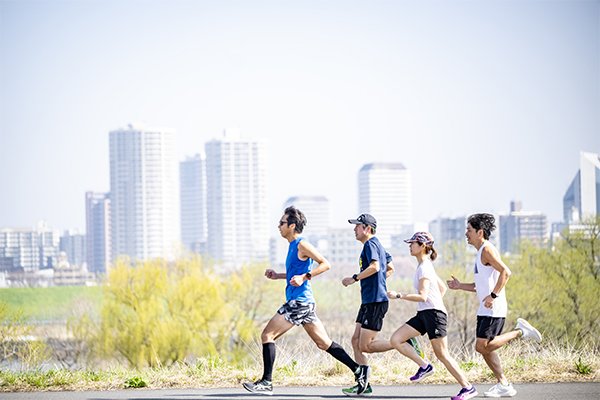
<point>237,203</point>
<point>29,249</point>
<point>317,211</point>
<point>73,244</point>
<point>518,225</point>
<point>343,248</point>
<point>192,173</point>
<point>385,191</point>
<point>98,232</point>
<point>144,193</point>
<point>583,196</point>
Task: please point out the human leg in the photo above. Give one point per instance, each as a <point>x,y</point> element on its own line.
<point>440,348</point>
<point>276,327</point>
<point>399,342</point>
<point>318,334</point>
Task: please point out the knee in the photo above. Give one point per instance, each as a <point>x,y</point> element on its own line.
<point>322,345</point>
<point>365,348</point>
<point>266,337</point>
<point>481,349</point>
<point>396,342</point>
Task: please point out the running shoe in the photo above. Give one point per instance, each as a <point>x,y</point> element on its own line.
<point>465,393</point>
<point>528,331</point>
<point>353,391</point>
<point>261,386</point>
<point>422,373</point>
<point>500,390</point>
<point>362,378</point>
<point>414,342</point>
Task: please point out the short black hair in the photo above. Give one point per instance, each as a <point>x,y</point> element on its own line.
<point>483,221</point>
<point>295,216</point>
<point>370,226</point>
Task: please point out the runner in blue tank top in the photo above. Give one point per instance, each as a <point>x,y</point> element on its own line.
<point>299,308</point>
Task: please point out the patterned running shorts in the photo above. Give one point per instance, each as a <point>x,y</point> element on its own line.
<point>299,313</point>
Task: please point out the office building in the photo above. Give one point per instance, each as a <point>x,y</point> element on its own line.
<point>73,244</point>
<point>385,191</point>
<point>98,232</point>
<point>582,199</point>
<point>192,173</point>
<point>518,225</point>
<point>237,199</point>
<point>29,249</point>
<point>144,193</point>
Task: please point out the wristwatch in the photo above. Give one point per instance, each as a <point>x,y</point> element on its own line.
<point>308,276</point>
<point>355,277</point>
<point>494,295</point>
<point>399,295</point>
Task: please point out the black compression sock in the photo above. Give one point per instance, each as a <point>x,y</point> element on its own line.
<point>268,360</point>
<point>340,354</point>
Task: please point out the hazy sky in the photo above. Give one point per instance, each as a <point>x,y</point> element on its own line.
<point>485,101</point>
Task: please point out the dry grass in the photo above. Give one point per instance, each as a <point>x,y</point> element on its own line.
<point>300,363</point>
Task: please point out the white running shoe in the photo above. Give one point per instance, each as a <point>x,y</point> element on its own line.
<point>501,391</point>
<point>528,331</point>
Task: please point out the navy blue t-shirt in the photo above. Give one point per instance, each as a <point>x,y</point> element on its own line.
<point>373,288</point>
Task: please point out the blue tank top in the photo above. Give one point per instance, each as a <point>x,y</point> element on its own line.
<point>294,266</point>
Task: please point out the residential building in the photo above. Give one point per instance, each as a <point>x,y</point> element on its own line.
<point>518,225</point>
<point>192,173</point>
<point>385,191</point>
<point>29,249</point>
<point>447,231</point>
<point>144,193</point>
<point>98,232</point>
<point>582,199</point>
<point>343,248</point>
<point>73,244</point>
<point>237,199</point>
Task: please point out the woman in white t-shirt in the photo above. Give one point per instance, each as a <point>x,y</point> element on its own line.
<point>431,316</point>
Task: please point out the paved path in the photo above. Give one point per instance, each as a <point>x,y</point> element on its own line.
<point>527,391</point>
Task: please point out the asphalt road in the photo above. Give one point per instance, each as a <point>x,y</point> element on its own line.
<point>527,391</point>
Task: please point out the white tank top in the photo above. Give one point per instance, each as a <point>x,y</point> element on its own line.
<point>486,278</point>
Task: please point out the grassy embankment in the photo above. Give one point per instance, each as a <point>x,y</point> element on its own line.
<point>298,360</point>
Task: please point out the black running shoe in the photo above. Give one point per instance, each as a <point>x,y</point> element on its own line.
<point>259,387</point>
<point>362,378</point>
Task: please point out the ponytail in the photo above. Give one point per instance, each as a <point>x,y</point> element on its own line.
<point>429,249</point>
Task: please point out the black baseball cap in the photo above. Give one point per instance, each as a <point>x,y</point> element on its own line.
<point>366,219</point>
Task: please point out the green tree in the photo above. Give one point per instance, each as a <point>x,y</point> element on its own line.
<point>156,313</point>
<point>557,287</point>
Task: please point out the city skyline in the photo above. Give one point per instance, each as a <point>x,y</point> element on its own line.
<point>445,88</point>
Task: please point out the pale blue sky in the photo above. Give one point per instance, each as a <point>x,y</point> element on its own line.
<point>485,101</point>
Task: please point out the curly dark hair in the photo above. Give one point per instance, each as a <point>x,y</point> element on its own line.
<point>483,221</point>
<point>295,216</point>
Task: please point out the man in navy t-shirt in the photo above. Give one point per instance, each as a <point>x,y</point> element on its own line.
<point>375,266</point>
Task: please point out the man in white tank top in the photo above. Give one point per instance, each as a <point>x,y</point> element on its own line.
<point>491,275</point>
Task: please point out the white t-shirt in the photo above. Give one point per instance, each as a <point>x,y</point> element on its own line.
<point>486,278</point>
<point>434,296</point>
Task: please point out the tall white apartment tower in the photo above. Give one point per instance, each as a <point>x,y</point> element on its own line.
<point>192,187</point>
<point>385,191</point>
<point>237,204</point>
<point>144,193</point>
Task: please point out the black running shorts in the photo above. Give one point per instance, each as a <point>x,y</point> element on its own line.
<point>370,316</point>
<point>432,322</point>
<point>489,327</point>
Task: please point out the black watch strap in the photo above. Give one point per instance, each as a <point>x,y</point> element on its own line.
<point>494,295</point>
<point>355,277</point>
